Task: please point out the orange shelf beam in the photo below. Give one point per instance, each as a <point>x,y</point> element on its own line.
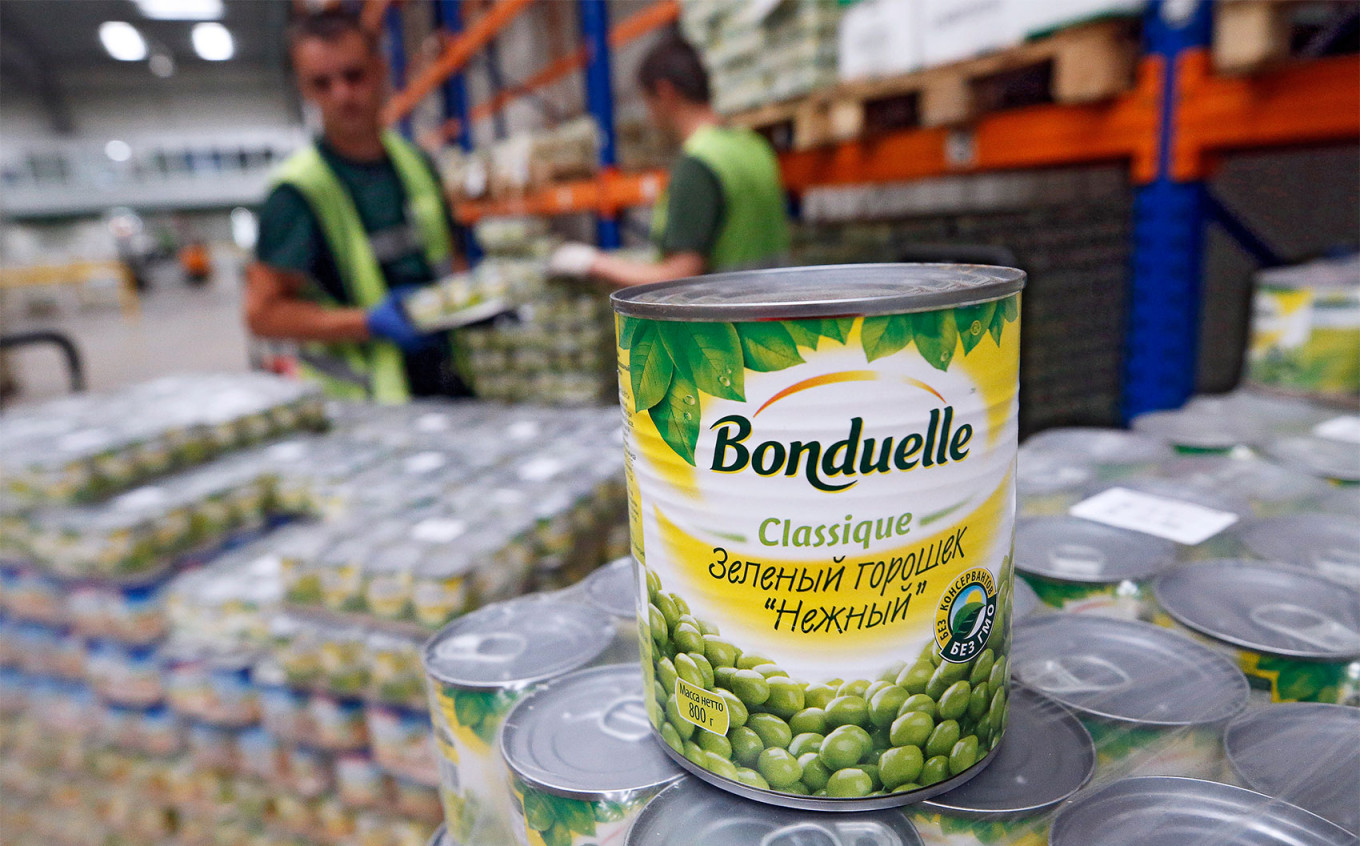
<point>1038,136</point>
<point>455,56</point>
<point>608,193</point>
<point>653,17</point>
<point>1304,103</point>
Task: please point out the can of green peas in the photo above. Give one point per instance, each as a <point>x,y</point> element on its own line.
<point>581,759</point>
<point>1295,633</point>
<point>1047,757</point>
<point>1154,701</point>
<point>821,469</point>
<point>476,669</point>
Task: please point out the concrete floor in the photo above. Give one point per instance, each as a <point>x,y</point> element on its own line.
<point>180,329</point>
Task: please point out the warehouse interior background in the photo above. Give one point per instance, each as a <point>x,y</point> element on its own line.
<point>217,588</point>
<point>186,145</point>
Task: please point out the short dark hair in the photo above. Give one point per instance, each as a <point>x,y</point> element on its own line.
<point>678,63</point>
<point>329,25</point>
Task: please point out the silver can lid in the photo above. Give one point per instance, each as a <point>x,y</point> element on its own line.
<point>1345,501</point>
<point>828,291</point>
<point>691,812</point>
<point>441,838</point>
<point>1324,457</point>
<point>1075,550</point>
<point>1199,430</point>
<point>613,588</point>
<point>1125,671</point>
<point>1326,543</point>
<point>1046,756</point>
<point>1042,473</point>
<point>1265,607</point>
<point>1220,499</point>
<point>1098,445</point>
<point>1253,478</point>
<point>1306,753</point>
<point>1169,811</point>
<point>516,643</point>
<point>1024,601</point>
<point>586,735</point>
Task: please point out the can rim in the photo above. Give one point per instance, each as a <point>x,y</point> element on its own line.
<point>991,282</point>
<point>822,803</point>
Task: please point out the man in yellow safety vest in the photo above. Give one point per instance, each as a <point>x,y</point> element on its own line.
<point>724,208</point>
<point>353,223</point>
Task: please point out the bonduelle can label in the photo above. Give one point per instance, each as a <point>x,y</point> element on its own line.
<point>821,468</point>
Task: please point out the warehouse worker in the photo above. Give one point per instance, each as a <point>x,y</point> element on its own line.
<point>724,207</point>
<point>354,222</point>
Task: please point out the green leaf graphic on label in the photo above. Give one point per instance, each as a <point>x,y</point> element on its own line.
<point>964,620</point>
<point>936,337</point>
<point>711,353</point>
<point>837,328</point>
<point>884,335</point>
<point>973,322</point>
<point>767,347</point>
<point>650,366</point>
<point>803,334</point>
<point>677,416</point>
<point>628,328</point>
<point>1011,307</point>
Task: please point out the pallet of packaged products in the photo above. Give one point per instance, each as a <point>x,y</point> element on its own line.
<point>1150,676</point>
<point>91,446</point>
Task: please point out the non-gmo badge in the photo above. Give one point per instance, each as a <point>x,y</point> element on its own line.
<point>964,617</point>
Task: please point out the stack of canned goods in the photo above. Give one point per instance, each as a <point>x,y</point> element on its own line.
<point>87,447</point>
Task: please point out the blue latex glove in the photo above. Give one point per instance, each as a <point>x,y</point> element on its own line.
<point>388,321</point>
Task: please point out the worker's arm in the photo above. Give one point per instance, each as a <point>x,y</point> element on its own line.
<point>274,309</point>
<point>623,272</point>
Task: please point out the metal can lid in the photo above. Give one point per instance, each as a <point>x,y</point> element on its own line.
<point>1046,756</point>
<point>826,291</point>
<point>1324,457</point>
<point>1306,753</point>
<point>1075,550</point>
<point>441,838</point>
<point>1266,607</point>
<point>613,588</point>
<point>1278,414</point>
<point>1125,671</point>
<point>1326,543</point>
<point>517,643</point>
<point>1170,811</point>
<point>691,811</point>
<point>1040,473</point>
<point>1198,430</point>
<point>1345,501</point>
<point>1098,445</point>
<point>1024,601</point>
<point>585,735</point>
<point>1259,480</point>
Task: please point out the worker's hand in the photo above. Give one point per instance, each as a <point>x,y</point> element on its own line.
<point>572,259</point>
<point>388,321</point>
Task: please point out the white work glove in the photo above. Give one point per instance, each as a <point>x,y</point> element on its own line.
<point>572,259</point>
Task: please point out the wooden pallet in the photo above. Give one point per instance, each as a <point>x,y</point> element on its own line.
<point>1081,64</point>
<point>1255,35</point>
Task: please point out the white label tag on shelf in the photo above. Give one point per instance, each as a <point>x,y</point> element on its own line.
<point>437,530</point>
<point>1344,428</point>
<point>522,430</point>
<point>432,422</point>
<point>1173,519</point>
<point>287,451</point>
<point>147,497</point>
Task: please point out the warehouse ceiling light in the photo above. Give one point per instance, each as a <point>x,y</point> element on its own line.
<point>213,42</point>
<point>118,151</point>
<point>122,41</point>
<point>180,10</point>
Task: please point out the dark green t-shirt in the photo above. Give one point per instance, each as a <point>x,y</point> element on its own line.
<point>695,209</point>
<point>291,239</point>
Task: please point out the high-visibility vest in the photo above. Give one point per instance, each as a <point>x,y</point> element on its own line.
<point>372,369</point>
<point>755,225</point>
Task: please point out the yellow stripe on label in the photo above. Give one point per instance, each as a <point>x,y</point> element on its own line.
<point>702,708</point>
